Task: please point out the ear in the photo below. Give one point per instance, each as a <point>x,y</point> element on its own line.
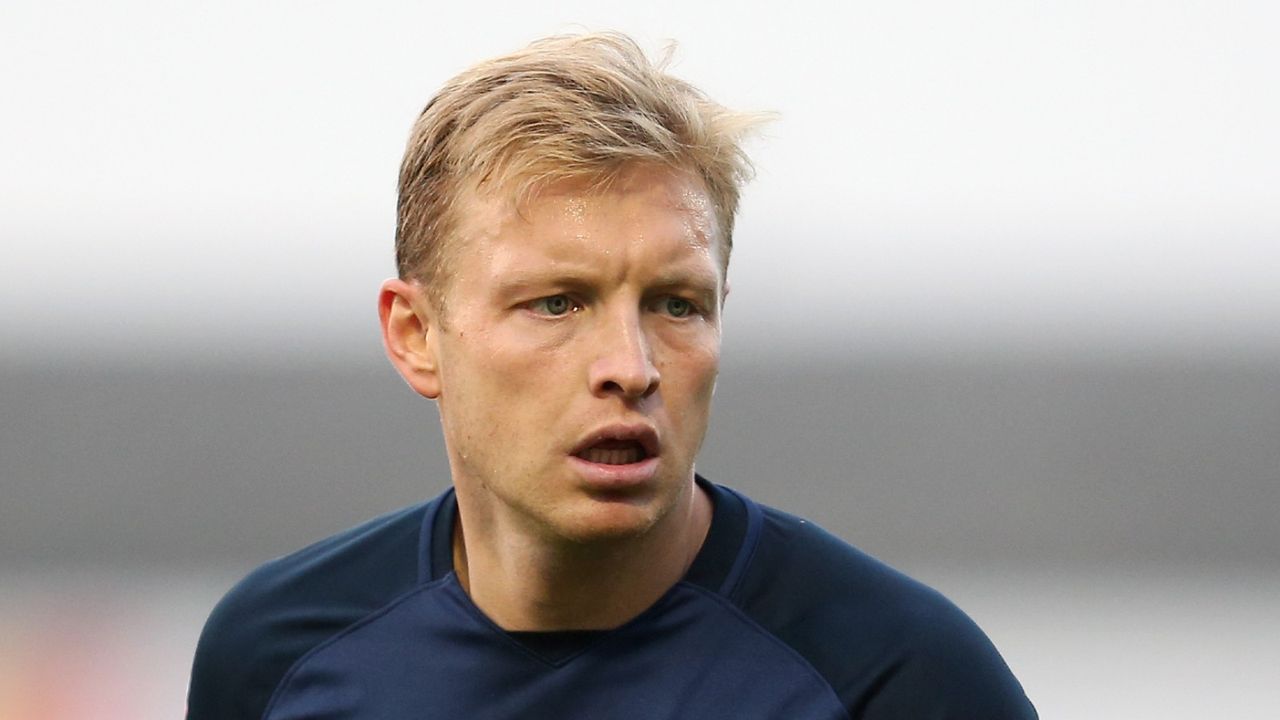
<point>409,332</point>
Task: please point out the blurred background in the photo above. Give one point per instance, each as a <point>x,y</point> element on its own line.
<point>1004,314</point>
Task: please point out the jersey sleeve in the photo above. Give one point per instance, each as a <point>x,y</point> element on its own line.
<point>240,657</point>
<point>282,610</point>
<point>944,667</point>
<point>889,646</point>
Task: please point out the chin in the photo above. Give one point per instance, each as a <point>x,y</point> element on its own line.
<point>608,521</point>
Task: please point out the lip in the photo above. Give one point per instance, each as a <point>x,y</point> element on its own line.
<point>618,477</point>
<point>643,434</point>
<point>615,478</point>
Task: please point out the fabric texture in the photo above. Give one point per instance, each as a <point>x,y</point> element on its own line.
<point>775,619</point>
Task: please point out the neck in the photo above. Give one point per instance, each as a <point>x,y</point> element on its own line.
<point>524,582</point>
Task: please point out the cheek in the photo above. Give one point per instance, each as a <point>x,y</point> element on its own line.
<point>475,382</point>
<point>692,373</point>
<point>504,385</point>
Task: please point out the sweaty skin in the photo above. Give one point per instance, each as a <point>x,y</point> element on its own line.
<point>583,327</point>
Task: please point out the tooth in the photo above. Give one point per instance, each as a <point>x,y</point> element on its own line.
<point>612,456</point>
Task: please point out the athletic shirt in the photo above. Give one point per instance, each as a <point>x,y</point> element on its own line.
<point>774,619</point>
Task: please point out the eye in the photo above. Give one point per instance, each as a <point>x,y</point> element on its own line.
<point>553,305</point>
<point>677,307</point>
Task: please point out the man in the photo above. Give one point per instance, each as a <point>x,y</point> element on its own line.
<point>565,223</point>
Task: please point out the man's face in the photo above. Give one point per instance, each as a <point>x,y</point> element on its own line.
<point>578,354</point>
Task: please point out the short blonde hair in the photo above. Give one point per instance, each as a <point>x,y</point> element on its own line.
<point>568,107</point>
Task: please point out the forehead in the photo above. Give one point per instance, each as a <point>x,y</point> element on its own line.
<point>637,202</point>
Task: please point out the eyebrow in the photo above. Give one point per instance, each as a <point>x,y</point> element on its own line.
<point>688,278</point>
<point>522,279</point>
<point>706,286</point>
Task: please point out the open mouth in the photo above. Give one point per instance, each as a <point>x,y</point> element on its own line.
<point>614,452</point>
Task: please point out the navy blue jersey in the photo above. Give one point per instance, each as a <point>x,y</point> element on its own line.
<point>774,619</point>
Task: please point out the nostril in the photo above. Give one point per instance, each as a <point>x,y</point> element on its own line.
<point>623,374</point>
<point>641,387</point>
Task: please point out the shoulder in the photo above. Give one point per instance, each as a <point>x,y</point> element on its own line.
<point>281,610</point>
<point>889,645</point>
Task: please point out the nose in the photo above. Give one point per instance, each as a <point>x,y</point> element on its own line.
<point>623,362</point>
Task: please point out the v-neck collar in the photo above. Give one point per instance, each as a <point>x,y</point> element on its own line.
<point>719,564</point>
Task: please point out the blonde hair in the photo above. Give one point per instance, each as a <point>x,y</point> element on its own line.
<point>568,107</point>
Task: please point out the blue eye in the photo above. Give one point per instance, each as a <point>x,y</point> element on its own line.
<point>553,305</point>
<point>678,307</point>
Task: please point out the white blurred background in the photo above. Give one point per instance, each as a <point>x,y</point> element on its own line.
<point>1004,313</point>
